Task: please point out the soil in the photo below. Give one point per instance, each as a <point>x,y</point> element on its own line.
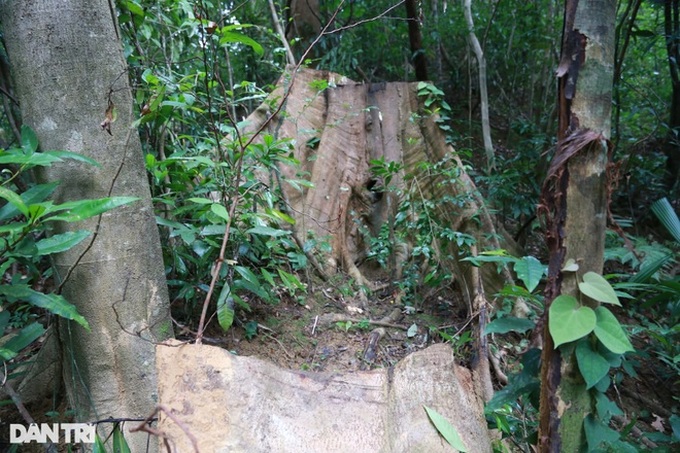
<point>330,329</point>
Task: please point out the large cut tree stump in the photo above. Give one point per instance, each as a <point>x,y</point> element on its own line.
<point>247,405</point>
<point>338,127</point>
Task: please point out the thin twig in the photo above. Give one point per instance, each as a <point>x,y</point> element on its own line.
<point>145,427</point>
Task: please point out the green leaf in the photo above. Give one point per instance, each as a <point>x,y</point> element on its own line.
<point>98,445</point>
<point>220,211</point>
<point>446,429</point>
<point>610,333</point>
<point>54,303</point>
<point>530,271</point>
<point>31,160</point>
<point>25,337</point>
<point>605,407</point>
<point>35,194</point>
<point>281,216</point>
<point>225,308</point>
<point>4,320</point>
<point>14,199</point>
<point>267,231</point>
<point>674,421</point>
<point>230,36</point>
<point>596,287</point>
<point>247,274</point>
<point>198,200</point>
<point>597,432</point>
<point>290,281</point>
<point>269,278</point>
<point>570,266</point>
<point>84,209</point>
<point>509,324</point>
<point>592,365</point>
<point>134,8</point>
<point>120,445</point>
<point>29,141</point>
<point>72,156</point>
<point>568,321</point>
<point>663,211</point>
<point>61,242</point>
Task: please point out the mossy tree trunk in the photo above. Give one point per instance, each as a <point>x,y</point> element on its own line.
<point>575,203</point>
<point>68,65</point>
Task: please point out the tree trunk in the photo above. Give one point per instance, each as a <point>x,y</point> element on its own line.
<point>672,145</point>
<point>483,95</point>
<point>68,65</point>
<point>416,40</point>
<point>338,131</point>
<point>575,202</point>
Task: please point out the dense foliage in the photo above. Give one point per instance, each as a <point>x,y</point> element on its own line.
<point>200,67</point>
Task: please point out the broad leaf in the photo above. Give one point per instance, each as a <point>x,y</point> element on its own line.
<point>267,231</point>
<point>35,194</point>
<point>446,429</point>
<point>610,333</point>
<point>84,209</point>
<point>54,303</point>
<point>592,365</point>
<point>4,320</point>
<point>570,266</point>
<point>72,156</point>
<point>509,324</point>
<point>19,341</point>
<point>568,321</point>
<point>61,242</point>
<point>29,141</point>
<point>233,37</point>
<point>225,308</point>
<point>530,271</point>
<point>14,199</point>
<point>27,161</point>
<point>596,287</point>
<point>220,211</point>
<point>597,432</point>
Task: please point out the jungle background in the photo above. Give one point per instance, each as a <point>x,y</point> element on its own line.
<point>199,68</point>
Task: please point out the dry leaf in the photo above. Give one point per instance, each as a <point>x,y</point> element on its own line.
<point>657,424</point>
<point>109,117</point>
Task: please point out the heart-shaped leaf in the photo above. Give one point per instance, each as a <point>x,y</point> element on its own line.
<point>568,321</point>
<point>592,365</point>
<point>596,287</point>
<point>570,266</point>
<point>610,333</point>
<point>530,271</point>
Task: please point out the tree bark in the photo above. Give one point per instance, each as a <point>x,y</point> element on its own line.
<point>338,131</point>
<point>575,202</point>
<point>672,145</point>
<point>416,40</point>
<point>483,95</point>
<point>68,65</point>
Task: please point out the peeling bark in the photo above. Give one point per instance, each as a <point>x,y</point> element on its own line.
<point>574,203</point>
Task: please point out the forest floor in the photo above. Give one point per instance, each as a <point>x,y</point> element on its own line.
<point>331,331</point>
